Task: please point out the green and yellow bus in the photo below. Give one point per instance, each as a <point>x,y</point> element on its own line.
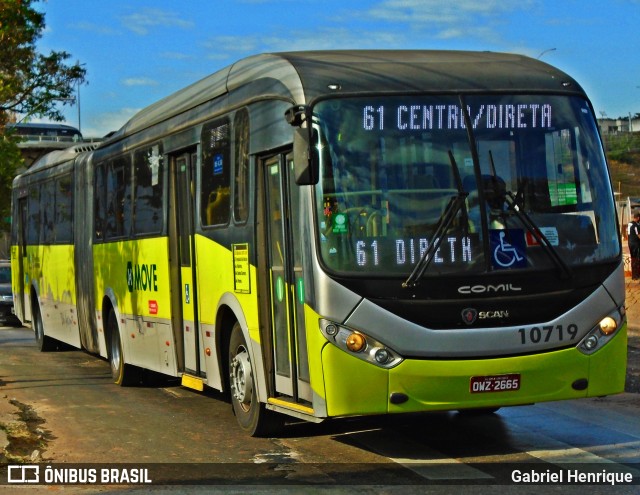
<point>339,233</point>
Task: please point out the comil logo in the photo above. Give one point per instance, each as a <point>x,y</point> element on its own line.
<point>488,289</point>
<point>23,474</point>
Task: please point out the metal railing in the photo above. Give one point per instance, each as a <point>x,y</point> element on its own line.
<point>63,139</point>
<point>31,138</point>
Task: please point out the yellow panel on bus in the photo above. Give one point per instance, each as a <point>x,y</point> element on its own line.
<point>216,276</point>
<point>137,272</point>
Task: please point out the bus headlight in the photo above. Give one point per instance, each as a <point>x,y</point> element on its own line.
<point>382,355</point>
<point>591,343</point>
<point>602,333</point>
<point>360,345</point>
<point>356,342</point>
<point>608,325</point>
<point>331,329</point>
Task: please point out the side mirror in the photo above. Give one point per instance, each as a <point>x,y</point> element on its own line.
<point>305,163</point>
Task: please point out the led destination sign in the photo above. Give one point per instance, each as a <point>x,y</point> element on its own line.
<point>420,117</point>
<point>407,252</point>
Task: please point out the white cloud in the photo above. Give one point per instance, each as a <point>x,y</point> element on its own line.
<point>234,47</point>
<point>437,11</point>
<point>448,20</point>
<point>384,24</point>
<point>93,28</point>
<point>176,56</point>
<point>146,20</point>
<point>398,23</point>
<point>98,125</point>
<point>231,43</point>
<point>140,81</point>
<point>101,124</point>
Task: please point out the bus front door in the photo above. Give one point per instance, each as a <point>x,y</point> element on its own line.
<point>284,276</point>
<point>184,301</point>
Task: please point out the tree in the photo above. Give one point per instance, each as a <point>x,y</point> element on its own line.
<point>31,84</point>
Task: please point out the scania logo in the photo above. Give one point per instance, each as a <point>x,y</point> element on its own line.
<point>500,314</point>
<point>469,315</point>
<point>487,289</point>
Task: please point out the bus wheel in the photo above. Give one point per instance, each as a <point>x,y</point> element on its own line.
<point>121,373</point>
<point>43,342</point>
<point>252,416</point>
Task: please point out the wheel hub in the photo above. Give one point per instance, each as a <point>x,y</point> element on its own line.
<point>115,354</point>
<point>241,378</point>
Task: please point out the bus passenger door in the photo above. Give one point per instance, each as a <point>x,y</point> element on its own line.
<point>285,279</point>
<point>184,298</point>
<point>22,309</point>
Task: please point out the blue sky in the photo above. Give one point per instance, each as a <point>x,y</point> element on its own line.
<point>139,51</point>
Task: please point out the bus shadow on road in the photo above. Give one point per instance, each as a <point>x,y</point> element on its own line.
<point>431,436</point>
<point>424,424</point>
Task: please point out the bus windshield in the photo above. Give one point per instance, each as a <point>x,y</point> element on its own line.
<point>393,168</point>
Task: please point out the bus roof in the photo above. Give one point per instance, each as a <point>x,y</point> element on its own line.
<point>60,156</point>
<point>303,76</point>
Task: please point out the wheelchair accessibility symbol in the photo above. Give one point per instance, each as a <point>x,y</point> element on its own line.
<point>508,248</point>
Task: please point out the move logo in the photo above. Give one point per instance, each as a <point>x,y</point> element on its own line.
<point>142,277</point>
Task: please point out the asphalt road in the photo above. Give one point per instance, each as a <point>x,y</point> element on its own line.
<point>61,409</point>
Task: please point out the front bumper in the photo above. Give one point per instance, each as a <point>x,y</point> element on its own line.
<point>354,387</point>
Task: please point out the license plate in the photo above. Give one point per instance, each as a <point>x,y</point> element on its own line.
<point>497,383</point>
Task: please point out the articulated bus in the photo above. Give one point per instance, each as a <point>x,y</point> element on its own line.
<point>339,233</point>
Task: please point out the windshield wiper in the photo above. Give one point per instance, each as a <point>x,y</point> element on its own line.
<point>513,202</point>
<point>456,204</point>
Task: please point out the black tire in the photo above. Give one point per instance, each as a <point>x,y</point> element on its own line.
<point>44,343</point>
<point>252,416</point>
<point>121,373</point>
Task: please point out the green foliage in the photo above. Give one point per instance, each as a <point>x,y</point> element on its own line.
<point>31,84</point>
<point>623,147</point>
<point>10,160</point>
<point>623,154</point>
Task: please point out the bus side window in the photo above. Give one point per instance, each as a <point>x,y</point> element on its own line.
<point>241,175</point>
<point>100,201</point>
<point>148,190</point>
<point>216,173</point>
<point>119,198</point>
<point>33,223</point>
<point>47,205</point>
<point>64,210</point>
<point>218,206</point>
